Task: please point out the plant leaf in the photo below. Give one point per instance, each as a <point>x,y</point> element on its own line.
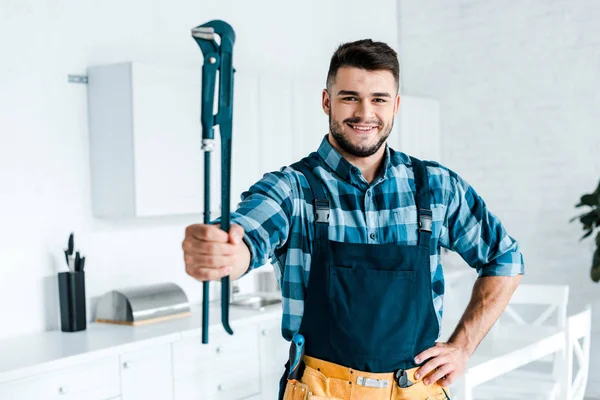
<point>590,200</point>
<point>595,272</point>
<point>589,219</point>
<point>587,234</point>
<point>577,217</point>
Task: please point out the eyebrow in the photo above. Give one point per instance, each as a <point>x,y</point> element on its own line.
<point>353,93</point>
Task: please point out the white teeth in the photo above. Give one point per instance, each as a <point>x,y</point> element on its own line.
<point>362,128</point>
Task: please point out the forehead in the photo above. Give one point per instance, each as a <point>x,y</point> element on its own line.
<point>357,79</point>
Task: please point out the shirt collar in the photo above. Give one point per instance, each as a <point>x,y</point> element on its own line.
<point>344,169</point>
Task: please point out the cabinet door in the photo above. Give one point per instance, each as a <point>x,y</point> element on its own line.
<point>310,123</point>
<point>245,165</point>
<point>147,374</point>
<point>274,352</point>
<point>275,96</point>
<point>227,368</point>
<point>95,380</point>
<point>167,136</point>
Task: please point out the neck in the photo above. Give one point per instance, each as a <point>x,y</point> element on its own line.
<point>368,166</point>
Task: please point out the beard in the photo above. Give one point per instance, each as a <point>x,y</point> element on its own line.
<point>337,131</point>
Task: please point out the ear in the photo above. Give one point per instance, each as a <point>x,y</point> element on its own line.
<point>397,104</point>
<point>326,101</point>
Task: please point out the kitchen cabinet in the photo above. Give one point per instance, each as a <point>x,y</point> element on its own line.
<point>160,361</point>
<point>275,123</point>
<point>96,380</point>
<point>147,373</point>
<point>145,140</point>
<point>227,368</point>
<point>309,121</point>
<point>274,352</point>
<point>417,128</point>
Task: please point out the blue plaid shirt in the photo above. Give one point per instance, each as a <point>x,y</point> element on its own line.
<point>279,223</point>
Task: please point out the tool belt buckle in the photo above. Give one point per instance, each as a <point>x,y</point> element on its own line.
<point>372,382</point>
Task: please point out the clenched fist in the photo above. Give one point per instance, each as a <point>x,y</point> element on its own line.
<point>211,253</point>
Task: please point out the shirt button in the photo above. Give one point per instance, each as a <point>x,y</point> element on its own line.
<point>372,236</point>
<point>369,194</point>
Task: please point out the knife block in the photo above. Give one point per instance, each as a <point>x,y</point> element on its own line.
<point>71,292</point>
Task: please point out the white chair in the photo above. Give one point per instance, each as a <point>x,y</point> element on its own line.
<point>579,332</point>
<point>531,305</point>
<point>553,299</point>
<point>572,382</point>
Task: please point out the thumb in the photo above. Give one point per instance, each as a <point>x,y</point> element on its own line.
<point>236,233</point>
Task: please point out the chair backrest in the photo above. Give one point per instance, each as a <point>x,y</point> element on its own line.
<point>554,298</point>
<point>579,332</point>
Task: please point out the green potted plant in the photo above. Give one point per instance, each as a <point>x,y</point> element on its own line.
<point>591,221</point>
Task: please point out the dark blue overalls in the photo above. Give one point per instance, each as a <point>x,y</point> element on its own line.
<point>368,306</point>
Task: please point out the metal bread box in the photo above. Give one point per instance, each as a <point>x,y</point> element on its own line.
<point>143,305</point>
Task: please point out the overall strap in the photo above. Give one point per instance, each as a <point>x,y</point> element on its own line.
<point>319,201</point>
<point>423,201</point>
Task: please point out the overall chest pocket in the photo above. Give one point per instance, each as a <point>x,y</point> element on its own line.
<point>373,312</point>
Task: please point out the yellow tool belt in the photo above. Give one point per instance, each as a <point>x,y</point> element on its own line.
<point>323,380</point>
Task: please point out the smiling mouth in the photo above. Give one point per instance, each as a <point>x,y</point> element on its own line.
<point>363,128</point>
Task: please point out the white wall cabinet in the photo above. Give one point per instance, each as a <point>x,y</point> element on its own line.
<point>417,128</point>
<point>145,140</point>
<point>276,143</point>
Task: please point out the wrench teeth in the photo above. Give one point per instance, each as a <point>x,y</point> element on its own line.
<point>206,33</point>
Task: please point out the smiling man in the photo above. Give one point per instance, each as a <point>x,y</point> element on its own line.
<point>355,230</point>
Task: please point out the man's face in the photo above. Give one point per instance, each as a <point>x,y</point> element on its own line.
<point>361,106</point>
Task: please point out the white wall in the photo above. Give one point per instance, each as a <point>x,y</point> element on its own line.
<point>519,87</point>
<point>44,162</point>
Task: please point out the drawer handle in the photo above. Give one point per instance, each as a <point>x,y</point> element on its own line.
<point>221,387</point>
<point>62,390</point>
<point>125,365</point>
<point>265,332</point>
<point>219,350</point>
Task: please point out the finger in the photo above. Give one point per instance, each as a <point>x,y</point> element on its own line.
<point>208,261</point>
<point>429,353</point>
<point>236,233</point>
<point>196,246</point>
<point>447,380</point>
<point>438,374</point>
<point>208,274</point>
<point>207,232</point>
<point>429,366</point>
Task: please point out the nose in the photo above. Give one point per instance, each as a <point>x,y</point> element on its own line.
<point>365,110</point>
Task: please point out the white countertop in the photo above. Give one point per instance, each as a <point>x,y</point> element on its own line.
<point>47,351</point>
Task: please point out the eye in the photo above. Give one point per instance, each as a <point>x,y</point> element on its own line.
<point>349,98</point>
<point>379,100</point>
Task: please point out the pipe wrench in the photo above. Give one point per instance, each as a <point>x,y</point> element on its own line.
<point>217,58</point>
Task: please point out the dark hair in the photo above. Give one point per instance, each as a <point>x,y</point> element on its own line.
<point>364,54</point>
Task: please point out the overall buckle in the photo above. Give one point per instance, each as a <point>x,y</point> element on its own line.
<point>425,220</point>
<point>322,210</point>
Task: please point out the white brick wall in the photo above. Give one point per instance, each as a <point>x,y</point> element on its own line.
<point>519,86</point>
